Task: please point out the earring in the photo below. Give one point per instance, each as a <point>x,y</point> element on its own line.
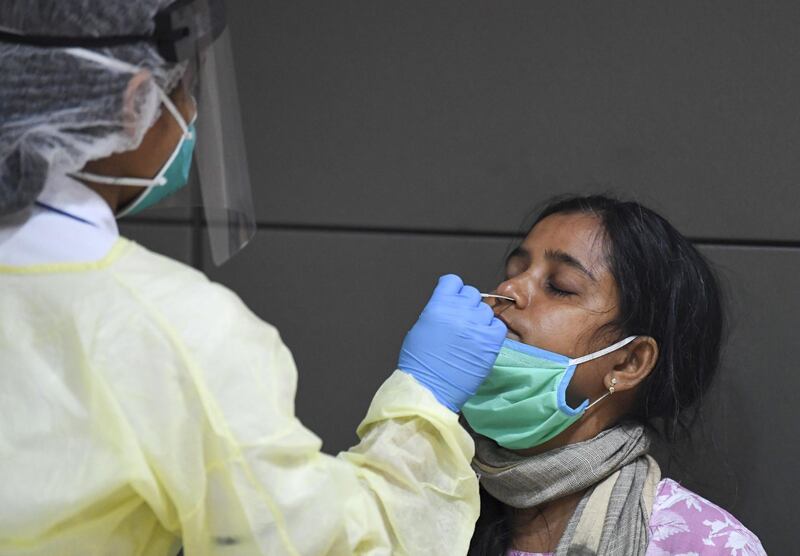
<point>604,396</point>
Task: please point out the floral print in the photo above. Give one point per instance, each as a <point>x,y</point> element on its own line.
<point>685,524</point>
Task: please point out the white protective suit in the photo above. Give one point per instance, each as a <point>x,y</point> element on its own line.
<point>143,407</point>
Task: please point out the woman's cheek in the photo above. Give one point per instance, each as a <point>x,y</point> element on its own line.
<point>555,329</point>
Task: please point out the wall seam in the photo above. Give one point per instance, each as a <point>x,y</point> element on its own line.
<point>367,230</point>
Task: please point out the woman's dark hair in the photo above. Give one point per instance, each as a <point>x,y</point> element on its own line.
<point>668,291</point>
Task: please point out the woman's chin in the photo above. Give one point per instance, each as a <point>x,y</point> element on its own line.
<point>513,336</point>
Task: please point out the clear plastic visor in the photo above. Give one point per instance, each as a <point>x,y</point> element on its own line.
<point>220,179</point>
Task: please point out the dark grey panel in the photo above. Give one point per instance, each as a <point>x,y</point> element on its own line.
<point>343,303</point>
<point>157,213</point>
<point>173,239</point>
<point>385,114</point>
<point>744,455</point>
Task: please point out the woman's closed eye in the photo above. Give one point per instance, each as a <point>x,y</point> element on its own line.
<point>556,290</point>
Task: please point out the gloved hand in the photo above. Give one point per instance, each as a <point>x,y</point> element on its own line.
<point>454,344</point>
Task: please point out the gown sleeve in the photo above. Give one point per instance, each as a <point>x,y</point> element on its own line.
<point>238,473</point>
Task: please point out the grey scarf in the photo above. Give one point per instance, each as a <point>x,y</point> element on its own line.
<point>613,515</point>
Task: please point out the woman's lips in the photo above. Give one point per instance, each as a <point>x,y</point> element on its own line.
<point>512,334</point>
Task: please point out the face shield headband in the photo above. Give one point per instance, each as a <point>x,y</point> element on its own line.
<point>182,30</point>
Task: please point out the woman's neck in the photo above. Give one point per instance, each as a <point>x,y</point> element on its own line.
<point>540,529</point>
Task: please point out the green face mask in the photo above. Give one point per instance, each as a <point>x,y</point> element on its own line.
<point>523,401</point>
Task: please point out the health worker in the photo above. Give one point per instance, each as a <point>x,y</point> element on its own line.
<point>144,409</point>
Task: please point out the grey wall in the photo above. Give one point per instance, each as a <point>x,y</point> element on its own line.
<point>393,142</point>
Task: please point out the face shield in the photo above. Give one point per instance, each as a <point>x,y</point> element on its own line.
<point>192,35</point>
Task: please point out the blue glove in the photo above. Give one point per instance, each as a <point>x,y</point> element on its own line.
<point>453,345</point>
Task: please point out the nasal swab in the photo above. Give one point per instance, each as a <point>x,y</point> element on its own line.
<point>494,295</point>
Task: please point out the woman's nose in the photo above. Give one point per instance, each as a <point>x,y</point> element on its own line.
<point>510,289</point>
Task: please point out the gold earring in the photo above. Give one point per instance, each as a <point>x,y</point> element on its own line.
<point>612,387</point>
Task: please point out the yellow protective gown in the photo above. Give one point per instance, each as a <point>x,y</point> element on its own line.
<point>143,407</point>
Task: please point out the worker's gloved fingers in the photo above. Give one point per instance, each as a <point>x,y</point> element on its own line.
<point>453,345</point>
<point>452,300</point>
<point>483,341</point>
<point>497,331</point>
<point>449,284</point>
<point>480,315</point>
<point>471,296</point>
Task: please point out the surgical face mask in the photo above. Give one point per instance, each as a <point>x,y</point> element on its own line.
<point>173,175</point>
<point>522,403</point>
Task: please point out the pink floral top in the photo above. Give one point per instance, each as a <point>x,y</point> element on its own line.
<point>687,524</point>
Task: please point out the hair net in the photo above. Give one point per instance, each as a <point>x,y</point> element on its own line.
<point>57,110</point>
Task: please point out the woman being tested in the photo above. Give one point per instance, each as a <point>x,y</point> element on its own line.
<point>615,325</point>
<point>143,408</point>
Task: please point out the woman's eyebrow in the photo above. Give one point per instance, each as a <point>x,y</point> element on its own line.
<point>518,253</point>
<point>564,257</point>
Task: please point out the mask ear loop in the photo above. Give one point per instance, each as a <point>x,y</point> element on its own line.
<point>159,180</point>
<point>602,352</point>
<point>175,113</point>
<point>597,354</point>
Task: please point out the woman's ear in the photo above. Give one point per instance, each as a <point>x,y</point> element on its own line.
<point>640,358</point>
